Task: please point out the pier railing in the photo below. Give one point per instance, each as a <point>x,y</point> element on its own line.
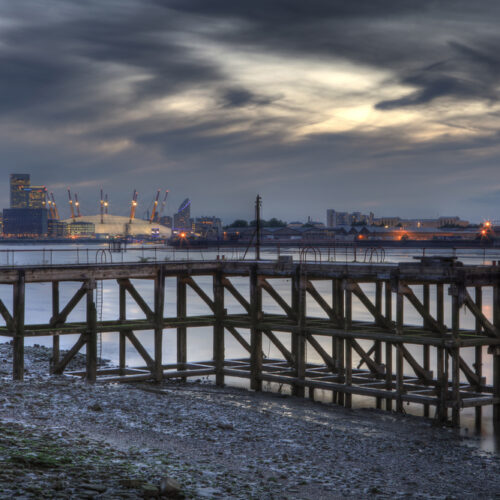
<point>399,362</point>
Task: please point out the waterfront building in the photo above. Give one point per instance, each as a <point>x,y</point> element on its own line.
<point>25,222</point>
<point>18,194</point>
<point>36,196</point>
<point>208,227</point>
<point>57,228</point>
<point>81,229</point>
<point>182,219</point>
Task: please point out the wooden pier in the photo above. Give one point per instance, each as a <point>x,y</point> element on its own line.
<point>400,363</point>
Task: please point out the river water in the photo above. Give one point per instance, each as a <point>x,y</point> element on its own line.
<point>199,340</point>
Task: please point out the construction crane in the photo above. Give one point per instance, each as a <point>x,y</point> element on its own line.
<point>54,206</point>
<point>71,205</point>
<point>106,204</point>
<point>51,212</point>
<point>77,205</point>
<point>133,206</point>
<point>155,205</point>
<point>163,203</point>
<point>102,208</point>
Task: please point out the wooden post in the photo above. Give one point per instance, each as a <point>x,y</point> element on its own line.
<point>298,337</point>
<point>478,355</point>
<point>159,307</point>
<point>399,350</point>
<point>218,341</point>
<point>378,343</point>
<point>18,317</point>
<point>388,345</point>
<point>348,346</point>
<point>123,337</point>
<point>255,332</point>
<point>339,341</point>
<point>181,330</point>
<point>91,333</point>
<point>455,358</point>
<point>426,348</point>
<point>55,312</point>
<point>496,357</point>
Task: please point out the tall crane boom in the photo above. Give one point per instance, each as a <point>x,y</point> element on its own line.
<point>77,205</point>
<point>133,206</point>
<point>163,203</point>
<point>155,205</point>
<point>56,212</point>
<point>51,212</point>
<point>71,205</point>
<point>102,208</point>
<point>106,204</point>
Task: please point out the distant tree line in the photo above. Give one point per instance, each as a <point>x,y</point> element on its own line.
<point>264,223</point>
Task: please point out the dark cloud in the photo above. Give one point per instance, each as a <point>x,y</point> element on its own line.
<point>240,97</point>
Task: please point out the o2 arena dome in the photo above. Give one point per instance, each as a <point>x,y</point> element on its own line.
<point>117,225</point>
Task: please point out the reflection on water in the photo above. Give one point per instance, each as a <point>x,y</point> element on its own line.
<point>199,340</point>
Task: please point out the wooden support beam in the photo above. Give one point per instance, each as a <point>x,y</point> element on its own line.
<point>442,372</point>
<point>377,346</point>
<point>496,358</point>
<point>488,327</point>
<point>265,285</point>
<point>60,367</point>
<point>276,341</point>
<point>255,332</point>
<point>91,334</point>
<point>18,343</point>
<point>372,365</point>
<point>329,361</point>
<point>399,349</point>
<point>181,330</point>
<point>338,342</point>
<point>478,356</point>
<point>429,321</point>
<point>140,349</point>
<point>330,311</point>
<point>424,375</point>
<point>63,315</point>
<point>388,345</point>
<point>299,335</point>
<point>192,283</point>
<point>426,349</point>
<point>218,337</point>
<point>123,338</point>
<point>455,357</point>
<point>348,345</point>
<point>6,316</point>
<point>236,294</point>
<point>237,335</point>
<point>158,332</point>
<point>55,313</point>
<point>137,298</point>
<point>380,320</point>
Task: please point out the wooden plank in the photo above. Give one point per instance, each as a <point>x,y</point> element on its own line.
<point>18,343</point>
<point>140,349</point>
<point>299,334</point>
<point>277,297</point>
<point>255,332</point>
<point>59,368</point>
<point>73,302</point>
<point>218,336</point>
<point>137,298</point>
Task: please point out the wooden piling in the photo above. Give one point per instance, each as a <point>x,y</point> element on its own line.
<point>339,341</point>
<point>348,344</point>
<point>388,345</point>
<point>91,334</point>
<point>399,350</point>
<point>55,312</point>
<point>255,332</point>
<point>123,336</point>
<point>378,343</point>
<point>496,358</point>
<point>18,317</point>
<point>442,372</point>
<point>478,355</point>
<point>218,338</point>
<point>455,355</point>
<point>158,332</point>
<point>181,330</point>
<point>298,335</point>
<point>426,348</point>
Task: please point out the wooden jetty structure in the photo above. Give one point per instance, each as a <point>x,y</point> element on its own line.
<point>400,362</point>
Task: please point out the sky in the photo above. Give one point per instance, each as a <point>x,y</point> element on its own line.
<point>368,105</point>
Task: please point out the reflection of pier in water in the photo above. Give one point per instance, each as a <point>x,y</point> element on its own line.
<point>421,364</point>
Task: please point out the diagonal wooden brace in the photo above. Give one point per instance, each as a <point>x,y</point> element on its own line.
<point>277,297</point>
<point>276,341</point>
<point>329,361</point>
<point>61,318</point>
<point>332,314</point>
<point>421,373</point>
<point>140,349</point>
<point>372,365</point>
<point>380,319</point>
<point>236,294</point>
<point>59,368</point>
<point>429,320</point>
<point>150,315</point>
<point>488,327</point>
<point>6,316</point>
<point>192,283</point>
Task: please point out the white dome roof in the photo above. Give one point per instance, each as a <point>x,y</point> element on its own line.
<point>119,225</point>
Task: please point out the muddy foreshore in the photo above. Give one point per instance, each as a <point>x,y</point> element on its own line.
<point>63,438</point>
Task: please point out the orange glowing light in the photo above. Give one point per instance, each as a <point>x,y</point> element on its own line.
<point>182,235</point>
<point>487,223</point>
<point>483,232</point>
<point>360,236</point>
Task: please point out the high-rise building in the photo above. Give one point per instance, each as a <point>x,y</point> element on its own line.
<point>25,222</point>
<point>36,196</point>
<point>182,219</point>
<point>18,193</point>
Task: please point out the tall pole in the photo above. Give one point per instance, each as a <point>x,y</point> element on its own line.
<point>258,204</point>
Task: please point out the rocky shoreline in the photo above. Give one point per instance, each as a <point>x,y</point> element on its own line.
<point>64,438</point>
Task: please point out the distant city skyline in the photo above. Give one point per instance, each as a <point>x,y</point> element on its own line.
<point>388,107</point>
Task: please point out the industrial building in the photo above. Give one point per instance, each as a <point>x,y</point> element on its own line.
<point>25,222</point>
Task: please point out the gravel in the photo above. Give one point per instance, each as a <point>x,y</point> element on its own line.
<point>61,437</point>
